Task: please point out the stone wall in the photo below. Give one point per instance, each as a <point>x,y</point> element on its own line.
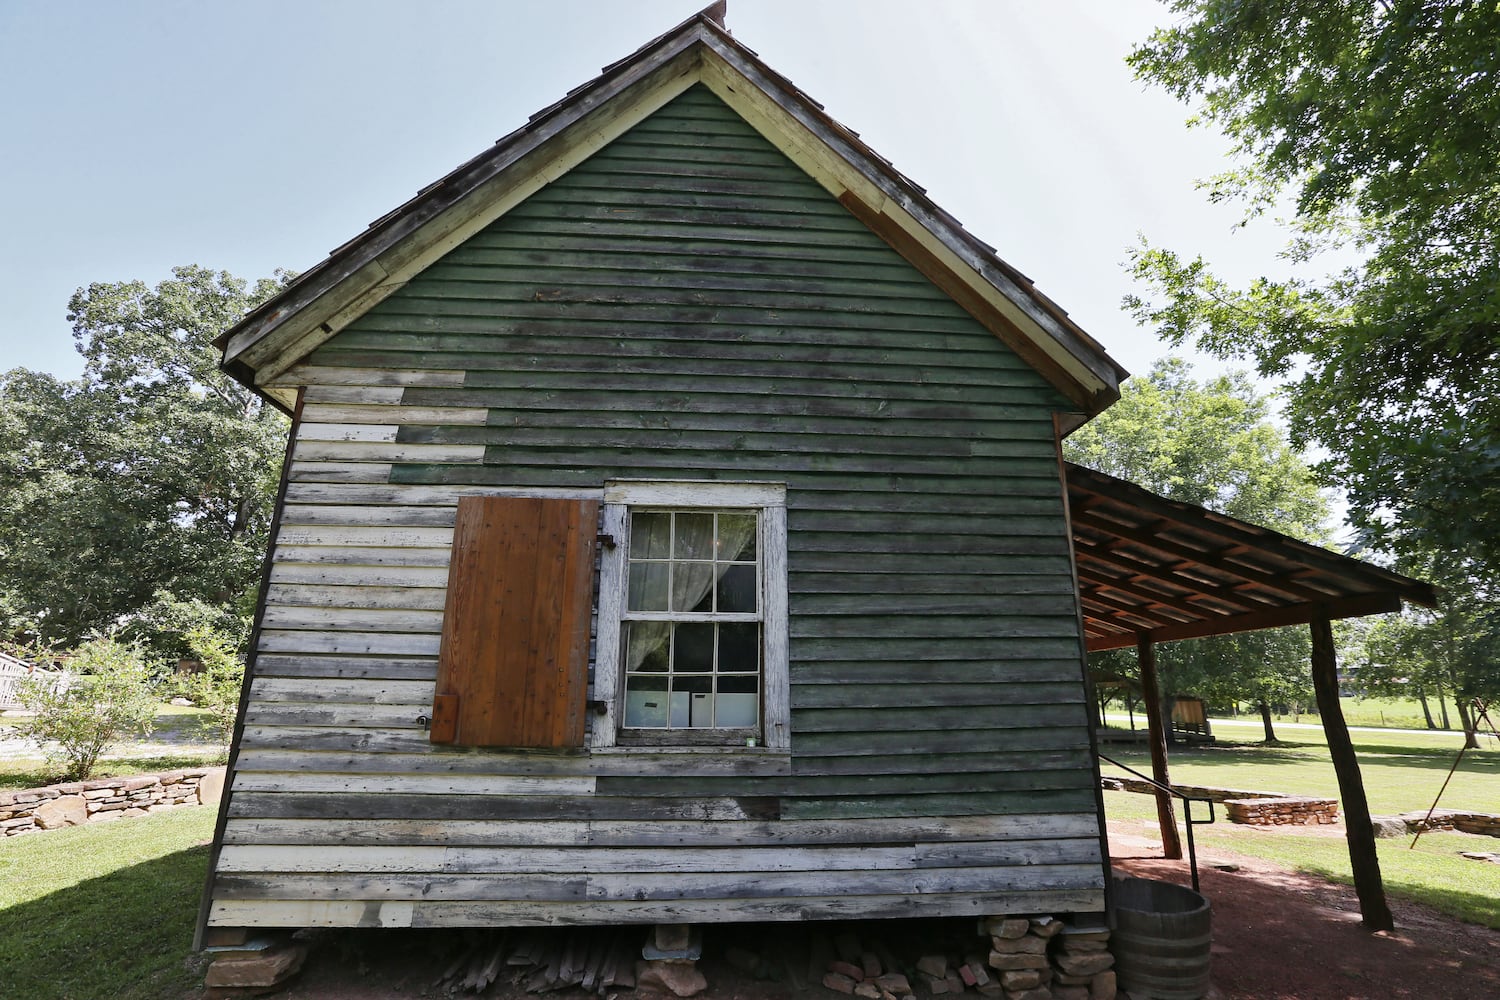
<point>1481,824</point>
<point>1242,806</point>
<point>1281,810</point>
<point>77,802</point>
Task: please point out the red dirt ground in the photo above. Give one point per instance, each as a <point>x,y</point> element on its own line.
<point>1278,935</point>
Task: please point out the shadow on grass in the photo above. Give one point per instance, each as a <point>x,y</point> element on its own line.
<point>127,935</point>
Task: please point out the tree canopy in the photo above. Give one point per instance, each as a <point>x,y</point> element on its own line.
<point>1381,120</point>
<point>149,479</point>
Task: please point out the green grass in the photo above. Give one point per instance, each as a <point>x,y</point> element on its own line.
<point>34,773</point>
<point>171,721</point>
<point>1402,773</point>
<point>1433,873</point>
<point>104,910</point>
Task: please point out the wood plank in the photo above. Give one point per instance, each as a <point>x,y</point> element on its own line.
<point>352,619</point>
<point>609,887</point>
<point>246,780</point>
<point>346,432</point>
<point>371,515</point>
<point>520,913</point>
<point>424,598</point>
<point>681,833</point>
<point>523,807</point>
<point>391,413</point>
<point>320,376</point>
<point>354,643</point>
<point>566,860</point>
<point>339,472</point>
<point>365,692</point>
<point>370,451</point>
<point>341,666</point>
<point>355,575</point>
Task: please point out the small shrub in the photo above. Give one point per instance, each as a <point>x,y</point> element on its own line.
<point>109,699</point>
<point>216,687</point>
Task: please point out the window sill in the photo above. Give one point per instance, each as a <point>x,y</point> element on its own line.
<point>726,757</point>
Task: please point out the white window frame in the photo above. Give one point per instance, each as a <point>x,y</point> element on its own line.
<point>620,496</point>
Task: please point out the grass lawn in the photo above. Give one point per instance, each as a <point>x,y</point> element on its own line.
<point>174,723</point>
<point>1402,773</point>
<point>104,910</point>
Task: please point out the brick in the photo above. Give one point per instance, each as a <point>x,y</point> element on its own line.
<point>955,982</point>
<point>1085,964</point>
<point>1006,961</point>
<point>870,964</point>
<point>849,969</point>
<point>1045,926</point>
<point>838,983</point>
<point>867,990</point>
<point>1028,945</point>
<point>1070,993</point>
<point>1103,986</point>
<point>1005,927</point>
<point>893,982</point>
<point>933,965</point>
<point>269,969</point>
<point>1021,979</point>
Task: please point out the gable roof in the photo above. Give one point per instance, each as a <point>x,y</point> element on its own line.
<point>364,271</point>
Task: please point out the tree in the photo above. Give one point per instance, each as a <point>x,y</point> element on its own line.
<point>1381,118</point>
<point>152,472</point>
<point>108,698</point>
<point>1213,444</point>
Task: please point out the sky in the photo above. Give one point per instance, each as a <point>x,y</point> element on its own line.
<point>247,137</point>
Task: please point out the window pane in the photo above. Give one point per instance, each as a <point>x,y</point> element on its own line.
<point>695,536</point>
<point>694,648</point>
<point>698,694</point>
<point>646,702</point>
<point>739,647</point>
<point>737,702</point>
<point>650,535</point>
<point>692,586</point>
<point>736,588</point>
<point>737,537</point>
<point>646,645</point>
<point>648,586</point>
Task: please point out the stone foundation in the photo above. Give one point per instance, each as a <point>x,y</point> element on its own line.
<point>78,802</point>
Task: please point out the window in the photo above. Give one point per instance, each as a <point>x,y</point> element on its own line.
<point>692,615</point>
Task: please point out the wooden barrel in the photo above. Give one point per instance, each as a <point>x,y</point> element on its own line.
<point>1161,939</point>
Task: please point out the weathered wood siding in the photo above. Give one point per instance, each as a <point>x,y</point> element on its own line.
<point>686,304</point>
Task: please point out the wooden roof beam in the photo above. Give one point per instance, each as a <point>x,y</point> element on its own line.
<point>1224,595</point>
<point>1214,559</point>
<point>1296,614</point>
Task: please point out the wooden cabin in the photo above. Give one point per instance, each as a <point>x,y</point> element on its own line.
<point>673,528</point>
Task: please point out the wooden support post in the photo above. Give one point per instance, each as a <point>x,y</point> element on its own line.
<point>1359,829</point>
<point>1171,843</point>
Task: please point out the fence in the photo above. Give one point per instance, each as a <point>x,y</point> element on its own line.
<point>13,672</point>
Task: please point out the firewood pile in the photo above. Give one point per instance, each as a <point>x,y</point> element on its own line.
<point>594,959</point>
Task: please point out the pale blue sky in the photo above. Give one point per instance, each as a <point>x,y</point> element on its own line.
<point>246,137</point>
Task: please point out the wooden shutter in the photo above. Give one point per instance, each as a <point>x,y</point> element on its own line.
<point>513,667</point>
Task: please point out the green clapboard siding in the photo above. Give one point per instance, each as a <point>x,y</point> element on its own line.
<point>689,304</point>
